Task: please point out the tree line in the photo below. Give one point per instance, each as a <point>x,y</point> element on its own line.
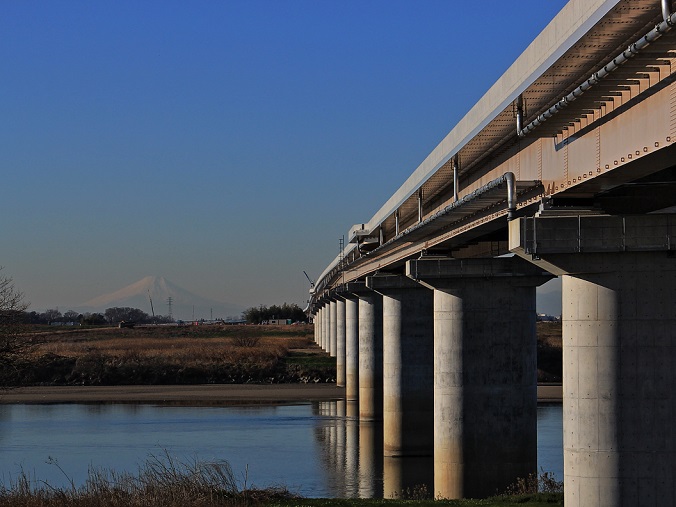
<point>115,315</point>
<point>257,315</point>
<point>112,315</point>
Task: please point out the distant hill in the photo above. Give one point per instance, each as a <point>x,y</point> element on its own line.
<point>549,298</point>
<point>184,302</point>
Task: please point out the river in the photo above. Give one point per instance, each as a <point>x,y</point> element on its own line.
<point>310,448</point>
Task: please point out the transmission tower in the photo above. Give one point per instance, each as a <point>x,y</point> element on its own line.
<point>341,264</point>
<point>170,300</point>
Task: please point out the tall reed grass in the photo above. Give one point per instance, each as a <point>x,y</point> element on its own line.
<point>163,481</point>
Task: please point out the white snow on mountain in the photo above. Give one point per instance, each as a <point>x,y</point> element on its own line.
<point>185,305</point>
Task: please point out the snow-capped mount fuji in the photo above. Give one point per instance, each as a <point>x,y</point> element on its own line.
<point>184,304</point>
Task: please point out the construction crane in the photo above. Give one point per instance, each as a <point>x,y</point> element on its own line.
<point>151,304</point>
<point>312,284</point>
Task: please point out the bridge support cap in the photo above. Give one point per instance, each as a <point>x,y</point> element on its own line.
<point>383,282</point>
<point>352,289</point>
<point>432,272</point>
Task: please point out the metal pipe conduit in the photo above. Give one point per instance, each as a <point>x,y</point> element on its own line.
<point>455,178</point>
<point>511,195</point>
<point>508,178</point>
<point>666,12</point>
<point>631,51</point>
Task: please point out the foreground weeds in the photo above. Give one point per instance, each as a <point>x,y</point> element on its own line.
<point>544,482</point>
<point>162,482</point>
<point>165,481</point>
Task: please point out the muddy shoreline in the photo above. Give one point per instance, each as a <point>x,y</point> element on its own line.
<point>189,395</point>
<point>198,395</point>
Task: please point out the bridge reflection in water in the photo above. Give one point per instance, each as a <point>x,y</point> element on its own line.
<point>352,452</point>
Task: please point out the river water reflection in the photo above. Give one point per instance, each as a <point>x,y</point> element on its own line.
<point>313,449</point>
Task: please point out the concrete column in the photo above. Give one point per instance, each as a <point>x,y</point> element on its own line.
<point>485,372</point>
<point>408,341</point>
<point>370,354</point>
<point>351,348</point>
<point>326,320</point>
<point>619,335</point>
<point>340,342</point>
<point>318,327</point>
<point>315,334</point>
<point>333,327</point>
<point>619,404</point>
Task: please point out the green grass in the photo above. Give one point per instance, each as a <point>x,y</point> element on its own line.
<point>310,360</point>
<point>539,500</point>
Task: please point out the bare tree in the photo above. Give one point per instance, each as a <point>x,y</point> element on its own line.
<point>13,344</point>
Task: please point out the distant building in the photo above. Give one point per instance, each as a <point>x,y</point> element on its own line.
<point>543,317</point>
<point>279,322</point>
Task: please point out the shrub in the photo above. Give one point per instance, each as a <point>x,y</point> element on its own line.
<point>544,482</point>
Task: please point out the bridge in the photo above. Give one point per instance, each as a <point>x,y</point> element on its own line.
<point>565,167</point>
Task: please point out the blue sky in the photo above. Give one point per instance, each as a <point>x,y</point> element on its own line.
<point>224,145</point>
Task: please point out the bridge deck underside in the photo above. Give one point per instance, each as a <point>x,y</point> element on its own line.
<point>610,149</point>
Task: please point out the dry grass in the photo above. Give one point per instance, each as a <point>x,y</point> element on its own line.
<point>171,355</point>
<point>171,350</point>
<point>162,481</point>
<point>185,346</point>
<point>550,334</point>
<point>550,352</point>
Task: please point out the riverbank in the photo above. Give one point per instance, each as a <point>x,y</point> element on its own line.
<point>187,395</point>
<point>176,355</point>
<point>199,395</point>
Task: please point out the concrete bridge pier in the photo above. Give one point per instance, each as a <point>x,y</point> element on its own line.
<point>408,397</point>
<point>619,335</point>
<point>370,352</point>
<point>333,326</point>
<point>317,327</point>
<point>485,372</point>
<point>340,341</point>
<point>325,326</point>
<point>351,343</point>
